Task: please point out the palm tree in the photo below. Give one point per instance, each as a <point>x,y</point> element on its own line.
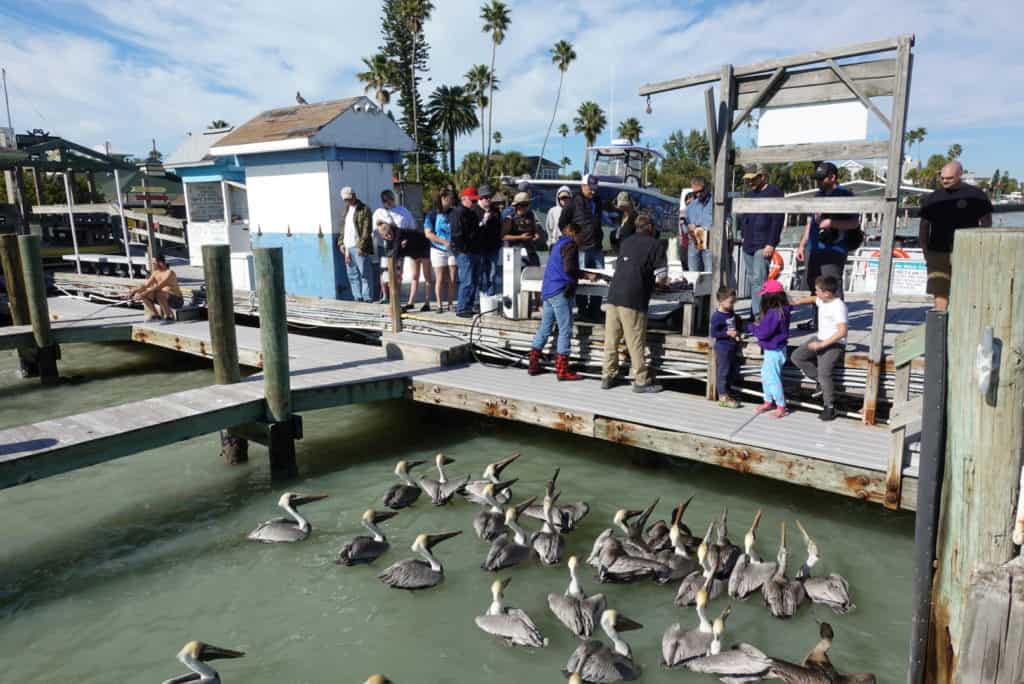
<point>379,77</point>
<point>562,55</point>
<point>496,20</point>
<point>631,130</point>
<point>565,163</point>
<point>218,123</point>
<point>590,121</point>
<point>414,13</point>
<point>563,130</point>
<point>451,112</point>
<point>496,137</point>
<point>955,150</point>
<point>478,80</point>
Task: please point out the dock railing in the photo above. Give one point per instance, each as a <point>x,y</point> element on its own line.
<point>906,412</point>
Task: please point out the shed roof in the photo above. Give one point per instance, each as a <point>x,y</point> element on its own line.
<point>298,121</point>
<point>195,150</point>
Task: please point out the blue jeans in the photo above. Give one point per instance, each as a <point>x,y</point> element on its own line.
<point>771,376</point>
<point>590,306</point>
<point>362,276</point>
<point>697,259</point>
<point>469,275</point>
<point>556,310</point>
<point>490,273</point>
<point>755,268</point>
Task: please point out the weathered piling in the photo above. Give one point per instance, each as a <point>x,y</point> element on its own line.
<point>14,279</point>
<point>395,287</point>
<point>985,436</point>
<point>39,314</point>
<point>281,432</point>
<point>220,307</point>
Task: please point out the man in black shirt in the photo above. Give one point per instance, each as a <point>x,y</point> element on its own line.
<point>585,212</point>
<point>641,263</point>
<point>466,244</point>
<point>955,205</point>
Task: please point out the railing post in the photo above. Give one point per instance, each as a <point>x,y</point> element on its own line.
<point>274,344</point>
<point>14,278</point>
<point>38,310</point>
<point>220,307</point>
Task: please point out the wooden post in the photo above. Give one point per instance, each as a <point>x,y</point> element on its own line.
<point>274,344</point>
<point>150,237</point>
<point>14,277</point>
<point>720,256</point>
<point>38,310</point>
<point>985,436</point>
<point>395,286</point>
<point>220,307</point>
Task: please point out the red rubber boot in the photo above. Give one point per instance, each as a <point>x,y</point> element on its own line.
<point>562,368</point>
<point>534,367</point>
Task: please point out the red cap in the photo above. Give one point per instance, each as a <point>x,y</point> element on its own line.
<point>470,192</point>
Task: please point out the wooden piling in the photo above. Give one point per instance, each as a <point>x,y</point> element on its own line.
<point>274,344</point>
<point>395,288</point>
<point>220,307</point>
<point>39,313</point>
<point>985,437</point>
<point>14,279</point>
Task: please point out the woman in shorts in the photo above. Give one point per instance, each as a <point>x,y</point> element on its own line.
<point>439,232</point>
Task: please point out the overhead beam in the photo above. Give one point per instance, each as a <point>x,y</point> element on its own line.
<point>864,99</point>
<point>709,112</point>
<point>807,205</point>
<point>823,75</point>
<point>760,97</point>
<point>831,92</point>
<point>780,154</point>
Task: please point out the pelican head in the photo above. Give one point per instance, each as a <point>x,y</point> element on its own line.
<point>493,470</point>
<point>425,542</point>
<point>812,547</point>
<point>826,632</point>
<point>572,563</point>
<point>622,515</point>
<point>575,678</point>
<point>198,650</point>
<point>613,621</point>
<point>403,467</point>
<point>782,548</point>
<point>751,535</point>
<point>717,629</point>
<point>293,500</point>
<point>377,679</point>
<point>513,512</point>
<point>702,598</point>
<point>492,489</point>
<point>498,587</point>
<point>442,460</point>
<point>373,517</point>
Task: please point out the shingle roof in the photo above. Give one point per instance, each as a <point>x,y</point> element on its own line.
<point>299,121</point>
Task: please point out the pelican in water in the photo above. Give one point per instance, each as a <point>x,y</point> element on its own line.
<point>598,662</point>
<point>511,624</point>
<point>817,668</point>
<point>781,594</point>
<point>566,516</point>
<point>738,665</point>
<point>679,644</point>
<point>632,523</point>
<point>513,547</point>
<point>489,523</point>
<point>707,559</point>
<point>574,609</point>
<point>679,562</point>
<point>728,553</point>
<point>549,542</point>
<point>405,492</point>
<point>659,535</point>
<point>474,489</point>
<point>195,655</point>
<point>293,529</point>
<point>413,573</point>
<point>442,490</point>
<point>616,565</point>
<point>750,572</point>
<point>833,590</point>
<point>365,549</point>
<point>378,679</point>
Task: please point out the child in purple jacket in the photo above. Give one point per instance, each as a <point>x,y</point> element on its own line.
<point>772,333</point>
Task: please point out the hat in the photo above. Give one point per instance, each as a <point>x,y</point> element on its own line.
<point>623,200</point>
<point>564,190</point>
<point>770,287</point>
<point>590,180</point>
<point>484,191</point>
<point>469,192</point>
<point>824,170</point>
<point>753,171</point>
<point>521,198</point>
<point>347,193</point>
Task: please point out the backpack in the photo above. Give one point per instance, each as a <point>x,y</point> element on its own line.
<point>854,239</point>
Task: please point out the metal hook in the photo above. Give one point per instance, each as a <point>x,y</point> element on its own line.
<point>288,231</point>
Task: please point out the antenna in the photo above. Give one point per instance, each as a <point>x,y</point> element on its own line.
<point>7,102</point>
<point>611,109</point>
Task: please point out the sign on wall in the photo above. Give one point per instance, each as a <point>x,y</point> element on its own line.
<point>833,122</point>
<point>205,202</point>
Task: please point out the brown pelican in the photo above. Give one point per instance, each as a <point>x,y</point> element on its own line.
<point>574,678</point>
<point>513,547</point>
<point>781,594</point>
<point>489,524</point>
<point>597,662</point>
<point>574,609</point>
<point>679,562</point>
<point>511,624</point>
<point>616,565</point>
<point>707,559</point>
<point>291,529</point>
<point>679,644</point>
<point>365,549</point>
<point>738,665</point>
<point>378,679</point>
<point>566,516</point>
<point>817,668</point>
<point>632,523</point>
<point>474,489</point>
<point>549,543</point>
<point>442,490</point>
<point>833,590</point>
<point>405,492</point>
<point>194,656</point>
<point>750,572</point>
<point>728,553</point>
<point>412,573</point>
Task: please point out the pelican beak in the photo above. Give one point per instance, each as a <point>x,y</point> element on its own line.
<point>826,631</point>
<point>757,521</point>
<point>552,481</point>
<point>504,484</point>
<point>707,537</point>
<point>505,582</point>
<point>650,509</point>
<point>435,539</point>
<point>523,506</point>
<point>725,613</point>
<point>216,653</point>
<point>624,624</point>
<point>782,539</point>
<point>501,465</point>
<point>409,465</point>
<point>807,537</point>
<point>381,516</point>
<point>445,460</point>
<point>554,498</point>
<point>303,499</point>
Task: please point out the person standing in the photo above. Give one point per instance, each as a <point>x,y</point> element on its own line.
<point>562,198</point>
<point>523,185</point>
<point>585,212</point>
<point>761,235</point>
<point>520,229</point>
<point>490,237</point>
<point>356,244</point>
<point>641,264</point>
<point>389,223</point>
<point>772,333</point>
<point>699,218</point>
<point>627,220</point>
<point>824,244</point>
<point>725,331</point>
<point>466,246</point>
<point>954,206</point>
<point>439,231</point>
<point>818,357</point>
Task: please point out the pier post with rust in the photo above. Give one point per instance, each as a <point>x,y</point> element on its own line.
<point>14,280</point>
<point>274,344</point>
<point>220,307</point>
<point>39,313</point>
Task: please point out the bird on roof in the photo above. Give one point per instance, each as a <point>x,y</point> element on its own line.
<point>299,98</point>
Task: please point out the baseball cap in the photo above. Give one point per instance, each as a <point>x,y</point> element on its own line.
<point>564,191</point>
<point>521,198</point>
<point>469,192</point>
<point>824,170</point>
<point>347,193</point>
<point>484,191</point>
<point>771,287</point>
<point>752,171</point>
<point>590,180</point>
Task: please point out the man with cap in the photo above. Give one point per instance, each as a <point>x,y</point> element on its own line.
<point>824,243</point>
<point>520,229</point>
<point>465,244</point>
<point>523,185</point>
<point>627,221</point>
<point>585,212</point>
<point>699,218</point>
<point>761,234</point>
<point>389,221</point>
<point>356,245</point>
<point>562,198</point>
<point>490,242</point>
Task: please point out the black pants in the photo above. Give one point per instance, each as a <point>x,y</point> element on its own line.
<point>726,366</point>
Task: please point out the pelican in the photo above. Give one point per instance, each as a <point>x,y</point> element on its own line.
<point>679,645</point>
<point>679,562</point>
<point>750,572</point>
<point>405,492</point>
<point>474,489</point>
<point>511,624</point>
<point>631,522</point>
<point>291,529</point>
<point>707,559</point>
<point>616,565</point>
<point>728,553</point>
<point>413,573</point>
<point>442,490</point>
<point>489,524</point>
<point>597,662</point>
<point>781,594</point>
<point>817,668</point>
<point>513,547</point>
<point>549,543</point>
<point>574,609</point>
<point>833,590</point>
<point>574,678</point>
<point>365,549</point>
<point>744,663</point>
<point>566,516</point>
<point>194,655</point>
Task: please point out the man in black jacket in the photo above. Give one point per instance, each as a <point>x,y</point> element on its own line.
<point>466,245</point>
<point>585,212</point>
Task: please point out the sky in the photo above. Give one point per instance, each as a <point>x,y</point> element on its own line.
<point>128,71</point>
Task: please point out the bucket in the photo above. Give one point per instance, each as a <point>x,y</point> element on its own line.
<point>489,303</point>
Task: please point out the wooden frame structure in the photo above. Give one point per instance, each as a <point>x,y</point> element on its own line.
<point>811,78</point>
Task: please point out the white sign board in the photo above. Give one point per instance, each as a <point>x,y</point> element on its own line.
<point>205,202</point>
<point>833,122</point>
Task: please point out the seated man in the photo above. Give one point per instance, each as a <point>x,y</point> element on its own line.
<point>160,293</point>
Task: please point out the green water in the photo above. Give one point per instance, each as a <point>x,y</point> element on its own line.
<point>108,571</point>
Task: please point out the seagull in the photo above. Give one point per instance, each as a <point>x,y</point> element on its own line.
<point>299,98</point>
